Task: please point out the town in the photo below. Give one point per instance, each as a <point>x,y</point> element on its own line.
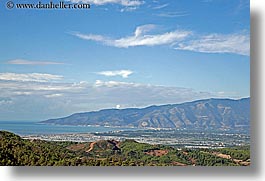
<point>176,138</point>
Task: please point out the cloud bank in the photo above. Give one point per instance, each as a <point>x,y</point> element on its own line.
<point>32,97</point>
<point>30,77</point>
<point>29,62</point>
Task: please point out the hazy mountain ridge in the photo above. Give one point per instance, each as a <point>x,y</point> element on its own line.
<point>201,114</point>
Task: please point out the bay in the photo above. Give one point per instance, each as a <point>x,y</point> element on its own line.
<point>23,128</point>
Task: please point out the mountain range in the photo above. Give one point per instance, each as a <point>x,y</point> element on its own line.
<point>222,114</point>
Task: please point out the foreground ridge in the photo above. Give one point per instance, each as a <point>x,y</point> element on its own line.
<point>17,152</point>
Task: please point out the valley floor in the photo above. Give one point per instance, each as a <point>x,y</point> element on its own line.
<point>173,137</point>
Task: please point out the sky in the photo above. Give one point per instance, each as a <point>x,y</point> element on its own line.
<point>120,54</point>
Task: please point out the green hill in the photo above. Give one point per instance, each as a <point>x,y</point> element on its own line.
<point>15,151</point>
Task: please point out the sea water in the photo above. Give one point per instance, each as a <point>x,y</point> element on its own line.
<point>23,128</point>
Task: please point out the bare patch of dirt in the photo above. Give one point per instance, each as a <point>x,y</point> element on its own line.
<point>111,144</point>
<point>221,155</point>
<point>91,147</point>
<point>178,164</point>
<point>245,163</point>
<point>237,161</point>
<point>76,147</point>
<point>157,152</point>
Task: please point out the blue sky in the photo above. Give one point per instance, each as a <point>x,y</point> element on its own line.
<point>121,53</point>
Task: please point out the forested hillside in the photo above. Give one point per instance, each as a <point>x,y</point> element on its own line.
<point>17,151</point>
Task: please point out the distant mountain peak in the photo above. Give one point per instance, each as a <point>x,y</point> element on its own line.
<point>201,114</point>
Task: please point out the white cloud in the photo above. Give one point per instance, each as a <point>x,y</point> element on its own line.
<point>53,95</point>
<point>243,4</point>
<point>139,38</point>
<point>172,14</point>
<point>140,95</point>
<point>237,43</point>
<point>161,6</point>
<point>28,62</point>
<point>227,94</point>
<point>150,40</point>
<point>128,9</point>
<point>31,77</point>
<point>33,87</point>
<point>5,101</point>
<point>126,3</point>
<point>140,30</point>
<point>100,83</point>
<point>218,43</point>
<point>22,93</point>
<point>92,37</point>
<point>122,73</point>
